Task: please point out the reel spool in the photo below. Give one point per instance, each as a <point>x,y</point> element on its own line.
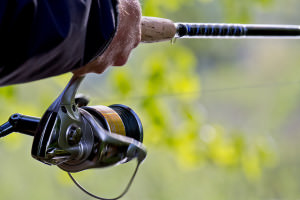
<point>118,119</point>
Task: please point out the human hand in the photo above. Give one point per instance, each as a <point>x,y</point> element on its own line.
<point>127,37</point>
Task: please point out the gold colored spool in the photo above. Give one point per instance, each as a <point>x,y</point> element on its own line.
<point>115,122</point>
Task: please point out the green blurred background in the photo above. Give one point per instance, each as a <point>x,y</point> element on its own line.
<point>221,117</point>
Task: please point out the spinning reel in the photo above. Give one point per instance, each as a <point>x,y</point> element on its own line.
<point>77,137</point>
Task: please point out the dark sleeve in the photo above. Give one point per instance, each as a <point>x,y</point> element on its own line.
<point>43,38</point>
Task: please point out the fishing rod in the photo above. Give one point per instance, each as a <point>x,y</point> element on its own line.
<point>76,137</point>
<point>159,29</point>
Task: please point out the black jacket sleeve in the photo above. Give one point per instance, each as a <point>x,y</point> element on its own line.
<point>43,38</point>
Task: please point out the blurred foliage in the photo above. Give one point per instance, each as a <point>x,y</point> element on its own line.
<point>220,117</point>
<point>239,11</point>
<point>177,122</point>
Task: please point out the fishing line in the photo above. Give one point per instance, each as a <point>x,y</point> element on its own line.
<point>207,91</point>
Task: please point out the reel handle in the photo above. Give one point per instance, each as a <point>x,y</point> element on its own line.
<point>157,29</point>
<point>20,123</point>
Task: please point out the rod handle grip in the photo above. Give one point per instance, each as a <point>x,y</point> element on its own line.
<point>157,29</point>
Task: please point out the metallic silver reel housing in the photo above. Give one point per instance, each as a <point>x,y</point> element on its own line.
<point>78,138</point>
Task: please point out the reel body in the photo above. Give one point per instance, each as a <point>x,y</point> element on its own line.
<point>77,137</point>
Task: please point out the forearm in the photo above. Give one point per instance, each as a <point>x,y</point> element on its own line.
<point>44,38</point>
